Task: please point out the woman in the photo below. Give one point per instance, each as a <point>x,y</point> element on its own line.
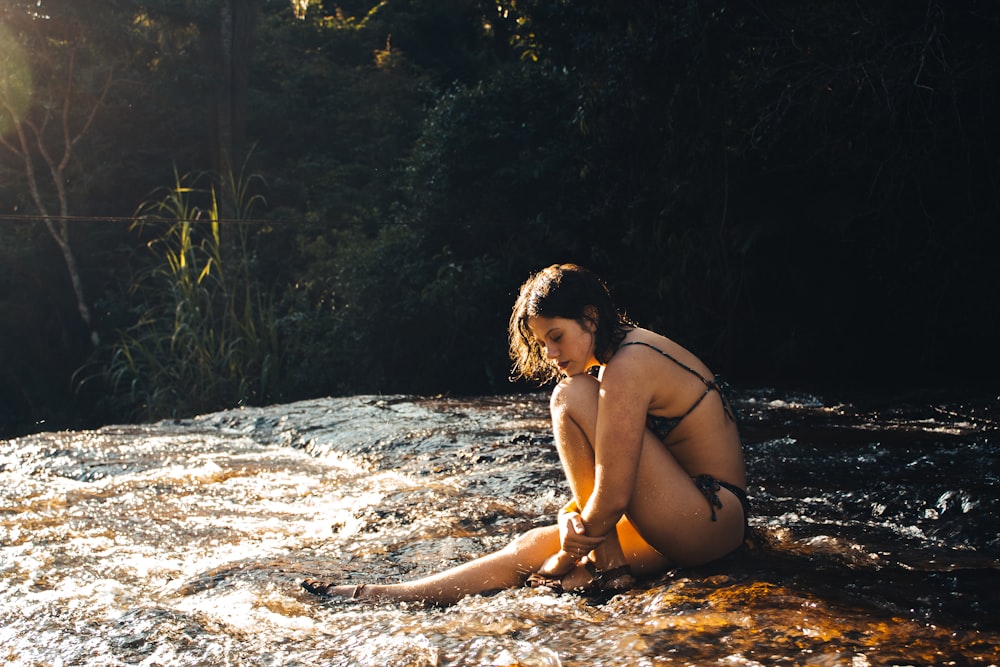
<point>649,446</point>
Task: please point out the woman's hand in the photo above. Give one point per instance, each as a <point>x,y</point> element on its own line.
<point>575,544</point>
<point>573,537</point>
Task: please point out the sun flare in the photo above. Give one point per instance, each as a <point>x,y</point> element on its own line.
<point>15,81</point>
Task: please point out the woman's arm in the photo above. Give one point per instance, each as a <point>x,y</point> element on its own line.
<point>625,394</point>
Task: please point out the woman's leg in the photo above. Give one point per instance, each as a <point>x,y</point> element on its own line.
<point>573,407</point>
<point>574,421</point>
<point>674,516</point>
<point>506,568</point>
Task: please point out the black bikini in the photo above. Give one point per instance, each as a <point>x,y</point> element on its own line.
<point>662,426</point>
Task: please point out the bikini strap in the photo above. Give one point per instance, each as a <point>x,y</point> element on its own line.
<point>709,384</point>
<point>698,375</point>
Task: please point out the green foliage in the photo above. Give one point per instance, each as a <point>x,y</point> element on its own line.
<point>795,189</point>
<point>495,169</point>
<point>378,313</point>
<point>207,337</point>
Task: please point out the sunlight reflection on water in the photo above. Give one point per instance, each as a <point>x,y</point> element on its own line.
<point>183,542</point>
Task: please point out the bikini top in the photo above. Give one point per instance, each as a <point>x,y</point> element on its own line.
<point>662,426</point>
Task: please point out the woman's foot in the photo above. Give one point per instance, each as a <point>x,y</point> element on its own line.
<point>586,579</point>
<point>330,590</point>
<point>589,579</point>
<point>553,571</point>
<point>558,564</point>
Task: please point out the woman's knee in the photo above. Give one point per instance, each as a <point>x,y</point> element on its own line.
<point>574,392</point>
<point>544,540</point>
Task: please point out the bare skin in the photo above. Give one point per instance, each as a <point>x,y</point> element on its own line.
<point>638,502</point>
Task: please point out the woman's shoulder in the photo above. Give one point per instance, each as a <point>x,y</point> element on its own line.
<point>639,344</point>
<point>632,356</point>
<point>639,337</point>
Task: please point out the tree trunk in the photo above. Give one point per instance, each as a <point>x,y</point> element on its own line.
<point>60,232</point>
<point>237,27</point>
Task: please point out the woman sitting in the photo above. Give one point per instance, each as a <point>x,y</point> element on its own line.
<point>647,441</point>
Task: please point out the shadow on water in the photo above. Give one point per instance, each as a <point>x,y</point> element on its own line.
<point>875,540</point>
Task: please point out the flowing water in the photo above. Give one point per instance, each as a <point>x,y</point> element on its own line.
<point>183,542</point>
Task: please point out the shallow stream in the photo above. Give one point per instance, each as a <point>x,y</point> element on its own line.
<point>183,542</point>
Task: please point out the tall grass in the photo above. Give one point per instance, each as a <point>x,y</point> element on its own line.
<point>206,337</point>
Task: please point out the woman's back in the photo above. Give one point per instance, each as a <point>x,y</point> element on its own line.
<point>687,409</point>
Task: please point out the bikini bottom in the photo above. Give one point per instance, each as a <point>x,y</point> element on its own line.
<point>709,487</point>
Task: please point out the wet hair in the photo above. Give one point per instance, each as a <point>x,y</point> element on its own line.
<point>568,291</point>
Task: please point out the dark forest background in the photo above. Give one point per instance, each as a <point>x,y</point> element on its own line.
<point>210,203</point>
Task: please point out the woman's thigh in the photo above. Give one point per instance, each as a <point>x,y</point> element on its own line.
<point>644,560</point>
<point>674,516</point>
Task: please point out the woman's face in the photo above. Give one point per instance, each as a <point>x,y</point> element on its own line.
<point>565,343</point>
